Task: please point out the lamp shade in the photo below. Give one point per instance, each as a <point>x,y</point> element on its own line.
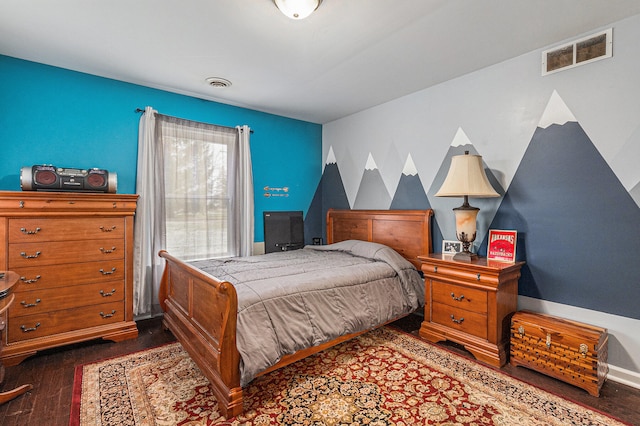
<point>297,9</point>
<point>466,177</point>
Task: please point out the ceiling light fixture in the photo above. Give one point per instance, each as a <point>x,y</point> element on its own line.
<point>297,9</point>
<point>218,82</point>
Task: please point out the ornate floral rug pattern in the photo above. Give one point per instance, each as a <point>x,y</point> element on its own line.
<point>384,377</point>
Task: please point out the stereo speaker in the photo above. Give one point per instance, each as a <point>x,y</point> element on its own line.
<point>51,178</point>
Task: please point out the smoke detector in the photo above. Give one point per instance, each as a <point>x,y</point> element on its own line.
<point>218,82</point>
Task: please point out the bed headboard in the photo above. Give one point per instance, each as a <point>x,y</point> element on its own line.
<point>406,231</point>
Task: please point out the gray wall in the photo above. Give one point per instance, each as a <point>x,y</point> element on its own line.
<point>570,188</point>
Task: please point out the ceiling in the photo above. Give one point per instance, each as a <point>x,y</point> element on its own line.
<point>348,56</point>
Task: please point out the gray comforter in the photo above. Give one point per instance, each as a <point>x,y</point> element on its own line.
<point>294,300</point>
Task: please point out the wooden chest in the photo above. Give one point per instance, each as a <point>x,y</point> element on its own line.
<point>567,350</point>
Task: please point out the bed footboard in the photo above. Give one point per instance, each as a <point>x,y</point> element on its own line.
<point>201,312</point>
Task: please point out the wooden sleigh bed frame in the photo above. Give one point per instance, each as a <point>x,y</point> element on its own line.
<point>201,311</point>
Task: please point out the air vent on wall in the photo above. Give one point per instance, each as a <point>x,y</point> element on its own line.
<point>578,52</point>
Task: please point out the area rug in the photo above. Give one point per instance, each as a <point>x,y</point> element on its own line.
<point>384,377</point>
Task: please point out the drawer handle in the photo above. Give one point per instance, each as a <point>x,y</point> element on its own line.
<point>27,330</point>
<point>107,251</point>
<point>103,294</point>
<point>457,321</point>
<point>103,229</point>
<point>459,298</point>
<point>103,315</point>
<point>30,281</point>
<point>29,256</point>
<point>521,331</point>
<point>30,305</point>
<point>435,269</point>
<point>548,343</point>
<point>478,277</point>
<point>103,272</point>
<point>25,231</point>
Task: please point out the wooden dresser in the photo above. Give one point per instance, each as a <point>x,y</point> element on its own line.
<point>73,253</point>
<point>470,303</point>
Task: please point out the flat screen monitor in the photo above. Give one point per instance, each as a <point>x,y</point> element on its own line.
<point>283,231</point>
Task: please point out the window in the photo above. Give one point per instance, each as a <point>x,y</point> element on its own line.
<point>197,189</point>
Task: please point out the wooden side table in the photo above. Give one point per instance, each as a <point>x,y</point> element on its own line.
<point>470,303</point>
<point>8,284</point>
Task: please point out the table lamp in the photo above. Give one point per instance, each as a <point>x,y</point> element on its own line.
<point>466,178</point>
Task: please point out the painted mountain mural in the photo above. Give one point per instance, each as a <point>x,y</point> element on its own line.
<point>488,206</point>
<point>577,225</point>
<point>410,192</point>
<point>330,193</point>
<point>372,193</point>
<point>635,193</point>
<point>410,195</point>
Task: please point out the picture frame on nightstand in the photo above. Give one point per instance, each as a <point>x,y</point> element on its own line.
<point>451,247</point>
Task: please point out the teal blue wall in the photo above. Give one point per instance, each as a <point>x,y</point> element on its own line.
<point>50,115</point>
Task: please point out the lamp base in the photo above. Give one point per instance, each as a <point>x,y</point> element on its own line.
<point>465,256</point>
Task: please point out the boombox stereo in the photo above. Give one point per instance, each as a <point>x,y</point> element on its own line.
<point>51,178</point>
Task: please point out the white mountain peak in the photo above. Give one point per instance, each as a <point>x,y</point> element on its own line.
<point>331,157</point>
<point>460,138</point>
<point>556,112</point>
<point>409,167</point>
<point>371,165</point>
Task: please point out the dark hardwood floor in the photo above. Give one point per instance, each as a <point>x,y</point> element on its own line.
<point>51,373</point>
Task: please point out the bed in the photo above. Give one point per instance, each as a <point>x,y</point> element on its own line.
<point>208,314</point>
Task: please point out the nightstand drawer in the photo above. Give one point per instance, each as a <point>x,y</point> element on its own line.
<point>469,299</point>
<point>460,319</point>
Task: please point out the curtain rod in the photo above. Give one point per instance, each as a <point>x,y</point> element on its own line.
<point>138,110</point>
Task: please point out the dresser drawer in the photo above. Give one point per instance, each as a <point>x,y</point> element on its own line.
<point>51,323</point>
<point>62,275</point>
<point>58,252</point>
<point>69,203</point>
<point>469,299</point>
<point>460,319</point>
<point>55,299</point>
<point>49,229</point>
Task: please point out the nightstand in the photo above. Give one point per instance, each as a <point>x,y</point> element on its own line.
<point>470,303</point>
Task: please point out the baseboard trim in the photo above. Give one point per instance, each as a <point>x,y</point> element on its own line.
<point>625,377</point>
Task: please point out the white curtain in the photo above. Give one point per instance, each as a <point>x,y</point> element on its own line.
<point>243,194</point>
<point>150,232</point>
<point>196,198</point>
